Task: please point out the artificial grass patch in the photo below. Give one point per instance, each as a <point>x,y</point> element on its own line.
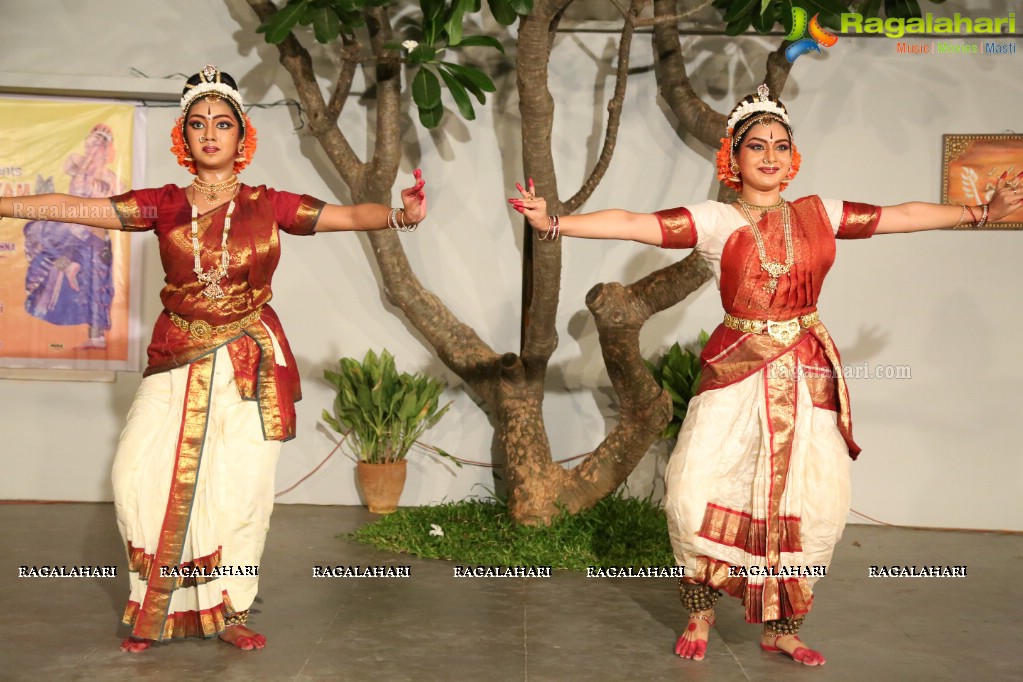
<point>618,531</point>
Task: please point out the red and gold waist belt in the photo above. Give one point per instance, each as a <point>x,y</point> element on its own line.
<point>785,331</point>
<point>201,329</point>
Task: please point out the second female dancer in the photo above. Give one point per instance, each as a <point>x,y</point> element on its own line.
<point>757,489</point>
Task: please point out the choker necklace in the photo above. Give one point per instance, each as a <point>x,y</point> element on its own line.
<point>212,278</point>
<point>211,189</point>
<point>773,268</point>
<point>765,209</point>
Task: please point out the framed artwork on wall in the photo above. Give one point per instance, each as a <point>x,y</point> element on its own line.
<point>69,294</point>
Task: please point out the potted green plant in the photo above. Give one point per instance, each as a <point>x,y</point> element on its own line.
<point>383,414</point>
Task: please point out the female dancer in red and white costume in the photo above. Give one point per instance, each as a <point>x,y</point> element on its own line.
<point>194,470</point>
<point>758,485</point>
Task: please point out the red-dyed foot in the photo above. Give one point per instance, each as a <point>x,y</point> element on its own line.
<point>134,645</point>
<point>693,642</point>
<point>243,638</point>
<point>790,646</point>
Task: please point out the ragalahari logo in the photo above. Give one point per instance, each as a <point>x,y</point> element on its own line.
<point>819,36</point>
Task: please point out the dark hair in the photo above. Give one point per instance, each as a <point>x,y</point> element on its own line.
<point>741,123</point>
<point>226,79</point>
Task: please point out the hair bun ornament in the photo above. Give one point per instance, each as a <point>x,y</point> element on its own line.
<point>762,102</point>
<point>210,84</point>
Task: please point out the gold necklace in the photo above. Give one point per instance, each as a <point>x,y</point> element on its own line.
<point>210,189</point>
<point>766,209</point>
<point>773,268</point>
<point>212,278</point>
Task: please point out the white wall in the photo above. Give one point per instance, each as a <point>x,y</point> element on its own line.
<point>940,449</point>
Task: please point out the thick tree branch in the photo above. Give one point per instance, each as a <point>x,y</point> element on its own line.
<point>537,114</point>
<point>664,288</point>
<point>614,112</point>
<point>644,407</point>
<point>349,52</point>
<point>387,149</point>
<point>299,64</point>
<point>693,113</point>
<point>620,313</point>
<point>778,68</point>
<point>456,343</point>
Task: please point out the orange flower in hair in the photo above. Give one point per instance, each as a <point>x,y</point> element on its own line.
<point>178,147</point>
<point>724,162</point>
<point>249,148</point>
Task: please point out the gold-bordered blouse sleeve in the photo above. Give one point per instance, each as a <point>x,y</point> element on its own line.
<point>306,215</point>
<point>859,221</point>
<point>678,228</point>
<point>134,215</point>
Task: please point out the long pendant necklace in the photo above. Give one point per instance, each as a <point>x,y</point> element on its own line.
<point>212,277</point>
<point>211,189</point>
<point>772,267</point>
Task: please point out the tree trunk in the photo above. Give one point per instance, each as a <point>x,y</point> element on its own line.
<point>511,385</point>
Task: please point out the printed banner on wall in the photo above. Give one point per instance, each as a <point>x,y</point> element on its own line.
<point>68,293</point>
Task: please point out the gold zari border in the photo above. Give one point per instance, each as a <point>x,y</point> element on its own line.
<point>152,621</point>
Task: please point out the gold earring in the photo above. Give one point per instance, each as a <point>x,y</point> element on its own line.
<point>734,167</point>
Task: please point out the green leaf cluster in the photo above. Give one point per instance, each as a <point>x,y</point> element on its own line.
<point>328,18</point>
<point>763,15</point>
<point>382,411</point>
<point>443,29</point>
<point>678,372</point>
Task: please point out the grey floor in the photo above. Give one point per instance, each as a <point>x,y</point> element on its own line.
<point>433,626</point>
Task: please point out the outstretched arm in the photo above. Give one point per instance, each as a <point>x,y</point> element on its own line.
<point>916,216</point>
<point>335,218</point>
<point>607,224</point>
<point>63,208</point>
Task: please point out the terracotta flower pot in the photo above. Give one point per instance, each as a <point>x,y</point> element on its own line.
<point>382,485</point>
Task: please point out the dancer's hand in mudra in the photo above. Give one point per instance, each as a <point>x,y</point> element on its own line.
<point>413,200</point>
<point>531,206</point>
<point>1008,196</point>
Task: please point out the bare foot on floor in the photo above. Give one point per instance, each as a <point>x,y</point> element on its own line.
<point>243,638</point>
<point>693,642</point>
<point>134,645</point>
<point>793,647</point>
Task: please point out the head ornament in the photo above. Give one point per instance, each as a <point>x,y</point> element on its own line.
<point>761,103</point>
<point>210,85</point>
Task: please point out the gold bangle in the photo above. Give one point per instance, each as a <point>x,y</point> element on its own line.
<point>983,218</point>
